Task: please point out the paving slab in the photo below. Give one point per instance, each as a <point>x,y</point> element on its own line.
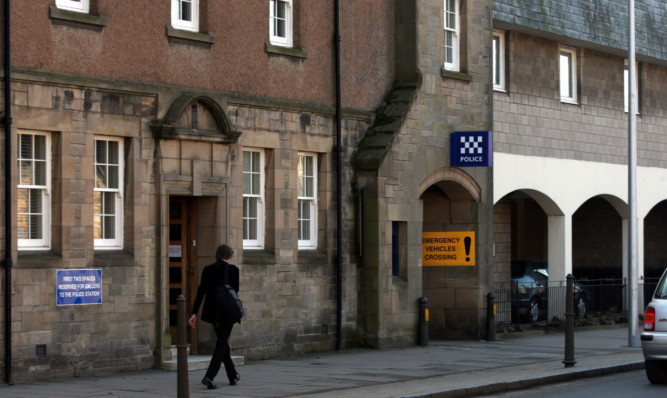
<point>442,369</point>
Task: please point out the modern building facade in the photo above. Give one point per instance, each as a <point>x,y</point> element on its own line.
<point>560,123</point>
<point>317,144</point>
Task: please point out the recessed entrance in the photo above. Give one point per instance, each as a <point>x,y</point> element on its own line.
<point>182,259</point>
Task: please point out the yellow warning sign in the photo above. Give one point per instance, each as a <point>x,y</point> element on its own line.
<point>448,248</point>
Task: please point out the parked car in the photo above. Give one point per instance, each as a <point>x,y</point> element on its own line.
<point>530,291</point>
<point>654,336</point>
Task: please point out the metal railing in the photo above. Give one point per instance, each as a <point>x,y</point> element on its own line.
<point>600,301</point>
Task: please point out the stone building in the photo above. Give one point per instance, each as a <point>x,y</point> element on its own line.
<point>408,186</point>
<point>145,136</point>
<point>319,148</point>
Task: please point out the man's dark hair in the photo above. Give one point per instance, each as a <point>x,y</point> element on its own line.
<point>224,252</point>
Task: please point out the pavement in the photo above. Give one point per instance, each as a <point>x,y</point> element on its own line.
<point>442,369</point>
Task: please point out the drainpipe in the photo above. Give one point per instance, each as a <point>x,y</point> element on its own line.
<point>8,202</point>
<point>339,184</point>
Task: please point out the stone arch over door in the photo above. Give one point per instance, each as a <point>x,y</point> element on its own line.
<point>461,184</point>
<point>183,121</point>
<point>450,201</point>
<point>195,151</point>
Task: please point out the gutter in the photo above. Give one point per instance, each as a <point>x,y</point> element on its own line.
<point>339,184</point>
<point>8,198</point>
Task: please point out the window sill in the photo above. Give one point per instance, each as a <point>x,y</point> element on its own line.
<point>110,258</point>
<point>287,51</point>
<point>569,101</point>
<point>450,74</point>
<point>38,259</point>
<point>312,256</point>
<point>258,257</point>
<point>78,18</point>
<point>197,37</point>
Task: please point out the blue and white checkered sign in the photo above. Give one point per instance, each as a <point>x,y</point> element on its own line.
<point>471,149</point>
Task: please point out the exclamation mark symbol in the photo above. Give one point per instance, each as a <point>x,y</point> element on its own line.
<point>466,243</point>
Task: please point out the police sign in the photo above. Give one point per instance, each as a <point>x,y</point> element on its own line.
<point>471,148</point>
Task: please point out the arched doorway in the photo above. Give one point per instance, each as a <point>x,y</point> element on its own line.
<point>450,201</point>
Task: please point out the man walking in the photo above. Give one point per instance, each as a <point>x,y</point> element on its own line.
<point>212,276</point>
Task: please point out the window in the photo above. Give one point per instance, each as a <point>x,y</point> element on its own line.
<point>499,60</point>
<point>635,86</point>
<point>399,249</point>
<point>108,203</point>
<point>33,204</point>
<point>253,199</point>
<point>280,22</point>
<point>568,75</point>
<point>307,201</point>
<point>74,5</point>
<point>185,14</point>
<point>451,35</point>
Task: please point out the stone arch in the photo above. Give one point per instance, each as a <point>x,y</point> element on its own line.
<point>168,128</point>
<point>458,184</point>
<point>451,201</point>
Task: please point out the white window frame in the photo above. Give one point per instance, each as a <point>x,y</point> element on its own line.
<point>307,200</point>
<point>567,65</point>
<point>101,170</point>
<point>178,23</point>
<point>44,190</point>
<point>253,198</point>
<point>274,37</point>
<point>453,32</point>
<point>498,62</point>
<point>72,5</point>
<point>635,87</point>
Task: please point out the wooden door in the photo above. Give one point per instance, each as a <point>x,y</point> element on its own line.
<point>182,260</point>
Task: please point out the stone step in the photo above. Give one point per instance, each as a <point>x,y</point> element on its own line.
<point>195,362</point>
<point>198,362</point>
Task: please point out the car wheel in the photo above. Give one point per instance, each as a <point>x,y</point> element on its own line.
<point>533,310</point>
<point>656,371</point>
<point>580,307</point>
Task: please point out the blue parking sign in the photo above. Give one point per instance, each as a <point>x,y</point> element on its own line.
<point>78,286</point>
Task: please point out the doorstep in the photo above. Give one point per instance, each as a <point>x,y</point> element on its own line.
<point>195,362</point>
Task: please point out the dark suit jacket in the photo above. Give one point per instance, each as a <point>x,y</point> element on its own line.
<point>211,276</point>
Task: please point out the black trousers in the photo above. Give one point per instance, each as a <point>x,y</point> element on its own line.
<point>222,352</point>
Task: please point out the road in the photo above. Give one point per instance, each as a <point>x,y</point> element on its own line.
<point>629,384</point>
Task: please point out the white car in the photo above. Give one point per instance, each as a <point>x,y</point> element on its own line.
<point>654,336</point>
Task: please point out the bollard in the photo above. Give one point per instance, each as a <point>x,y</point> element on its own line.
<point>182,350</point>
<point>422,336</point>
<point>569,322</point>
<point>490,317</point>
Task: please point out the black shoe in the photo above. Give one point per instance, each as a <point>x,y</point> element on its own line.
<point>232,382</point>
<point>209,384</point>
